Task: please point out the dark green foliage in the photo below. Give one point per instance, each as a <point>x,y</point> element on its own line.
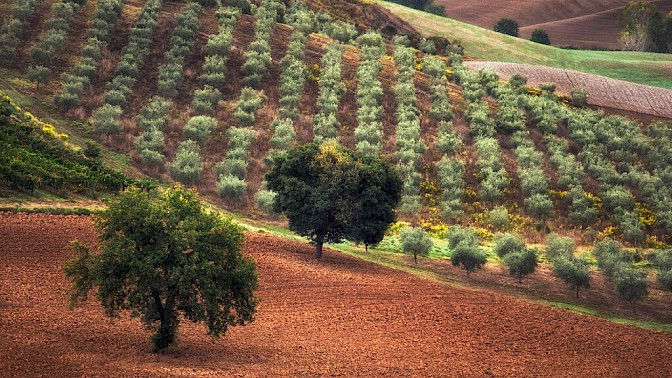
<point>470,257</point>
<point>573,271</point>
<point>415,241</point>
<point>330,193</point>
<point>170,258</point>
<point>518,80</point>
<point>540,36</point>
<point>507,26</point>
<point>206,99</point>
<point>521,263</point>
<point>33,158</point>
<point>463,243</point>
<point>38,75</point>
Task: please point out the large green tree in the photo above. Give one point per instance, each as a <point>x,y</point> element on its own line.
<point>162,256</point>
<point>330,193</point>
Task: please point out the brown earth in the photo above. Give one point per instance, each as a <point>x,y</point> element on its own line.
<point>602,91</point>
<point>576,23</point>
<point>339,316</point>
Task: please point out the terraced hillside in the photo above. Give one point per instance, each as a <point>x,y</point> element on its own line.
<point>207,96</point>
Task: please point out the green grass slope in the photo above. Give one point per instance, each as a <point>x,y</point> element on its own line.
<point>37,158</point>
<point>643,68</point>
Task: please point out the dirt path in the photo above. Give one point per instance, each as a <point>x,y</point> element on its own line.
<point>340,316</point>
<point>602,91</point>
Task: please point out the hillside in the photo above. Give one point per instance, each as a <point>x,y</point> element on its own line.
<point>587,24</point>
<point>341,316</point>
<point>481,43</point>
<point>206,97</point>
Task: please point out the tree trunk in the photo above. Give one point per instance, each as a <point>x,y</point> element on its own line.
<point>366,248</point>
<point>577,291</point>
<point>319,241</point>
<point>167,326</point>
<point>415,258</point>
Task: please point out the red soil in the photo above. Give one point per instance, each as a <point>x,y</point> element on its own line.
<point>339,316</point>
<point>577,23</point>
<point>602,91</point>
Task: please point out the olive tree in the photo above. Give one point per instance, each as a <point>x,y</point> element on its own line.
<point>164,256</point>
<point>415,241</point>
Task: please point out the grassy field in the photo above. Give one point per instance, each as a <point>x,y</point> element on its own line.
<point>643,68</point>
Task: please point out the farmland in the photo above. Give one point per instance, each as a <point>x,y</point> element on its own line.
<point>484,44</point>
<point>570,164</point>
<point>341,314</point>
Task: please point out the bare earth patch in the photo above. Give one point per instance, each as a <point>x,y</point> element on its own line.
<point>340,316</point>
<point>602,91</point>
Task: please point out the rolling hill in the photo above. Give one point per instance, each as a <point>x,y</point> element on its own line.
<point>587,24</point>
<point>142,90</point>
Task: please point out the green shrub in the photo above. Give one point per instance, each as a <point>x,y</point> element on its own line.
<point>415,241</point>
<point>187,165</point>
<point>507,26</point>
<point>572,270</point>
<point>498,217</point>
<point>231,187</point>
<point>265,200</point>
<point>508,243</point>
<point>540,36</point>
<point>559,247</point>
<point>198,128</point>
<point>631,285</point>
<point>469,256</point>
<point>232,167</point>
<point>106,120</point>
<point>206,99</point>
<point>521,263</point>
<point>38,75</point>
<point>578,97</point>
<point>249,103</point>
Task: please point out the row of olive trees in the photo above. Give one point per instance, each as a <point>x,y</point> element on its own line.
<point>218,47</point>
<point>618,200</point>
<point>14,28</point>
<point>107,118</point>
<point>533,181</point>
<point>85,71</point>
<point>154,117</point>
<point>188,163</point>
<point>450,168</point>
<point>152,120</point>
<point>475,86</point>
<point>331,86</point>
<point>258,59</point>
<point>232,170</point>
<point>51,40</point>
<point>626,144</point>
<point>181,41</point>
<point>410,145</point>
<point>368,134</point>
<point>618,266</point>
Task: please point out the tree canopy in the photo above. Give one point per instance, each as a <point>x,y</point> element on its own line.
<point>163,255</point>
<point>330,193</point>
<point>507,26</point>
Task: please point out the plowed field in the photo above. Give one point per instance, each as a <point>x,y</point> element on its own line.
<point>339,316</point>
<point>602,91</point>
<point>578,23</point>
